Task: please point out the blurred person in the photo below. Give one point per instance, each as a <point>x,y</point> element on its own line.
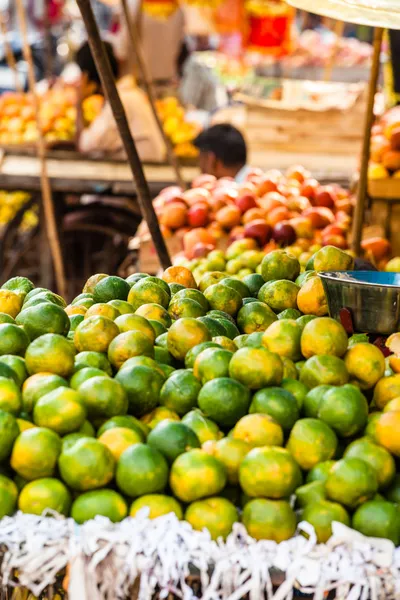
<point>102,134</point>
<point>161,41</point>
<point>223,152</point>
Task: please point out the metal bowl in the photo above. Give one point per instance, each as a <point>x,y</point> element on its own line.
<point>373,299</point>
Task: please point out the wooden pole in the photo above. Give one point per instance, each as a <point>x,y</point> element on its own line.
<point>362,189</point>
<point>48,46</point>
<point>110,89</point>
<point>9,54</point>
<point>136,48</point>
<point>338,30</point>
<point>48,207</point>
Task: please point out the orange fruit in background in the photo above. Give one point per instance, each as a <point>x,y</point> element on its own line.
<point>253,214</point>
<point>228,216</point>
<point>182,275</point>
<point>311,299</point>
<point>281,213</point>
<point>377,247</point>
<point>174,215</point>
<point>387,431</point>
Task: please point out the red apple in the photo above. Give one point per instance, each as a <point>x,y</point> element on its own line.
<point>259,230</point>
<point>326,196</point>
<point>335,240</point>
<point>284,234</point>
<point>319,216</point>
<point>200,250</point>
<point>205,181</point>
<point>334,229</point>
<point>298,173</point>
<point>309,189</point>
<point>246,202</point>
<point>195,195</point>
<point>267,184</point>
<point>197,215</point>
<point>298,203</point>
<point>237,233</point>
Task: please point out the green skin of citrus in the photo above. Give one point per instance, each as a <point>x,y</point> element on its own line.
<point>280,404</point>
<point>141,470</point>
<point>324,370</point>
<point>160,282</point>
<point>95,334</point>
<point>269,519</point>
<point>204,428</point>
<point>214,326</point>
<point>324,335</point>
<point>193,295</point>
<point>107,503</point>
<point>196,474</point>
<point>224,401</point>
<point>42,494</point>
<point>157,504</point>
<point>254,282</point>
<point>217,515</point>
<point>36,388</point>
<point>393,492</point>
<point>222,297</point>
<point>279,295</point>
<point>269,472</point>
<point>258,430</point>
<point>256,367</point>
<point>158,317</point>
<point>144,292</point>
<point>83,375</point>
<point>351,482</point>
<point>179,393</point>
<point>279,265</point>
<point>50,353</point>
<point>310,493</point>
<point>298,389</point>
<point>345,409</point>
<point>283,337</point>
<point>35,453</point>
<point>142,386</point>
<point>17,364</point>
<point>378,518</point>
<point>172,439</point>
<point>377,457</point>
<point>103,397</point>
<point>87,465</point>
<point>237,285</point>
<point>310,442</point>
<point>313,399</point>
<point>131,322</point>
<point>126,421</point>
<point>184,334</point>
<point>255,316</point>
<point>22,285</point>
<point>185,307</point>
<point>43,318</point>
<point>231,452</point>
<point>212,363</point>
<point>321,515</point>
<point>129,344</point>
<point>8,496</point>
<point>111,288</point>
<point>10,396</point>
<point>60,410</point>
<point>320,472</point>
<point>13,339</point>
<point>9,432</point>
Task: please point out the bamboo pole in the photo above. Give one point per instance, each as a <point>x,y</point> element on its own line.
<point>9,54</point>
<point>338,30</point>
<point>110,89</point>
<point>362,188</point>
<point>47,198</point>
<point>136,48</point>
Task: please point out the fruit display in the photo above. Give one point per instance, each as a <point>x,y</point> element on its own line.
<point>273,209</point>
<point>385,146</point>
<point>217,398</point>
<point>58,115</point>
<point>11,203</point>
<point>180,131</point>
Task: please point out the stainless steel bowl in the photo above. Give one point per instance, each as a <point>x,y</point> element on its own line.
<point>373,299</point>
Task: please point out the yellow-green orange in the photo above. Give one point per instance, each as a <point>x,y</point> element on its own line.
<point>14,340</point>
<point>142,386</point>
<point>212,363</point>
<point>44,494</point>
<point>217,515</point>
<point>310,442</point>
<point>330,258</point>
<point>131,322</point>
<point>321,516</point>
<point>88,358</point>
<point>60,410</point>
<point>146,292</point>
<point>155,312</point>
<point>283,337</point>
<point>95,334</point>
<point>157,505</point>
<point>378,519</point>
<point>378,458</point>
<point>258,430</point>
<point>269,472</point>
<point>324,370</point>
<point>230,452</point>
<point>269,520</point>
<point>255,316</point>
<point>345,409</point>
<point>387,431</point>
<point>172,438</point>
<point>87,465</point>
<point>103,397</point>
<point>204,428</point>
<point>184,334</point>
<point>323,336</point>
<point>256,367</point>
<point>310,493</point>
<point>10,396</point>
<point>102,309</point>
<point>180,391</point>
<point>43,318</point>
<point>110,288</point>
<point>141,470</point>
<point>8,496</point>
<point>106,503</point>
<point>129,344</point>
<point>385,390</point>
<point>279,404</point>
<point>224,400</point>
<point>196,474</point>
<point>37,386</point>
<point>351,481</point>
<point>365,364</point>
<point>279,264</point>
<point>118,439</point>
<point>35,453</point>
<point>223,297</point>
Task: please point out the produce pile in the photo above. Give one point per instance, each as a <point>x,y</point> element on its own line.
<point>230,398</point>
<point>385,146</point>
<point>58,114</point>
<point>11,203</point>
<point>180,131</point>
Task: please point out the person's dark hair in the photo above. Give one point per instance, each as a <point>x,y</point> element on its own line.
<point>225,142</point>
<point>183,55</point>
<point>85,61</point>
<point>361,264</point>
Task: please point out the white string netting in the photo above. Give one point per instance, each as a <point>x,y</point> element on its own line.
<point>143,558</point>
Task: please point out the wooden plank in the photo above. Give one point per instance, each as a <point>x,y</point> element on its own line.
<point>384,189</point>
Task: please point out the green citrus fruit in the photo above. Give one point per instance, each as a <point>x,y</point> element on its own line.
<point>43,318</point>
<point>378,519</point>
<point>223,297</point>
<point>180,391</point>
<point>44,494</point>
<point>21,285</point>
<point>35,453</point>
<point>147,292</point>
<point>195,351</point>
<point>351,481</point>
<point>255,316</point>
<point>157,505</point>
<point>129,344</point>
<point>103,397</point>
<point>95,334</point>
<point>320,472</point>
<point>17,364</point>
<point>377,457</point>
<point>310,442</point>
<point>106,503</point>
<point>298,389</point>
<point>110,288</point>
<point>365,364</point>
<point>195,474</point>
<point>321,516</point>
<point>269,472</point>
<point>87,465</point>
<point>345,409</point>
<point>330,258</point>
<point>83,375</point>
<point>142,386</point>
<point>309,493</point>
<point>279,264</point>
<point>323,336</point>
<point>9,432</point>
<point>283,337</point>
<point>204,428</point>
<point>313,400</point>
<point>212,363</point>
<point>126,422</point>
<point>324,370</point>
<point>60,410</point>
<point>13,339</point>
<point>256,367</point>
<point>141,470</point>
<point>131,322</point>
<point>230,452</point>
<point>279,295</point>
<point>172,439</point>
<point>224,400</point>
<point>184,334</point>
<point>10,396</point>
<point>258,430</point>
<point>217,515</point>
<point>118,439</point>
<point>97,360</point>
<point>50,353</point>
<point>8,496</point>
<point>279,404</point>
<point>193,294</point>
<point>269,519</point>
<point>37,386</point>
